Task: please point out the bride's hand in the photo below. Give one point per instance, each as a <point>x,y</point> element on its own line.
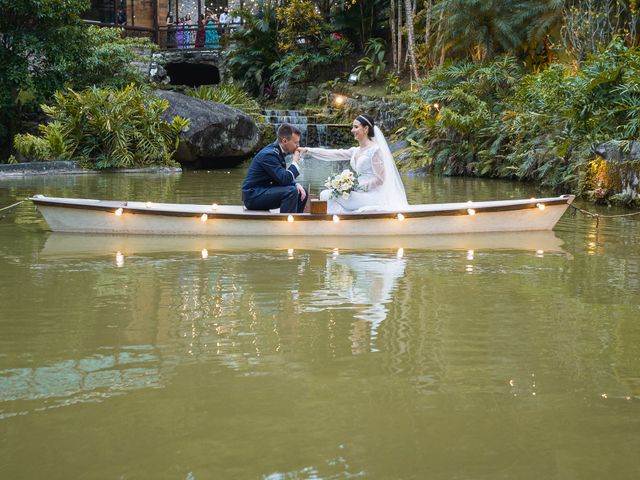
<point>302,150</point>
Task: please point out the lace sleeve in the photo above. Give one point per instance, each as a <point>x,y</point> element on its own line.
<point>377,163</point>
<point>330,154</point>
<point>377,166</point>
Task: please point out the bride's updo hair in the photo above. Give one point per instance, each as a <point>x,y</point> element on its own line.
<point>366,121</point>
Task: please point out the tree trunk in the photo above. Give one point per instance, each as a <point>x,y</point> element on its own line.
<point>392,22</point>
<point>427,30</point>
<point>362,35</point>
<point>399,36</point>
<point>439,37</point>
<point>410,39</point>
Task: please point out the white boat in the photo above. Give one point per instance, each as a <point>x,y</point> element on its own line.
<point>146,218</point>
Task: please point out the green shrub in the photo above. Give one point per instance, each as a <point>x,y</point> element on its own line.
<point>106,128</point>
<point>231,95</point>
<point>372,65</point>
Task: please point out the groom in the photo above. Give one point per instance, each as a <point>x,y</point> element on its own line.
<point>269,182</point>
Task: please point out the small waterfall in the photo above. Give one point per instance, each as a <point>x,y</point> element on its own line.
<point>321,130</point>
<point>312,133</point>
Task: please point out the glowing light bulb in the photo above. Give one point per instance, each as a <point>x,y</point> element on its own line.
<point>204,253</point>
<point>400,217</point>
<point>204,217</point>
<point>436,106</point>
<point>336,218</point>
<point>339,100</point>
<point>118,212</point>
<point>541,206</point>
<point>148,204</point>
<point>471,211</point>
<point>290,218</point>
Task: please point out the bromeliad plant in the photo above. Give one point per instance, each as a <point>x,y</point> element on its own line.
<point>106,128</point>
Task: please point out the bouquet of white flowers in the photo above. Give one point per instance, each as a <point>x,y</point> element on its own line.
<point>342,184</point>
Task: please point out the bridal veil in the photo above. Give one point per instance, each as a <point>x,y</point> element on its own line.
<point>392,189</point>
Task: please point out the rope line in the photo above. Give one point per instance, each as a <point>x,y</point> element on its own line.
<point>598,216</point>
<point>11,206</point>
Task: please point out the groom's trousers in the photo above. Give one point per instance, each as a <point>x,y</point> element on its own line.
<point>286,198</point>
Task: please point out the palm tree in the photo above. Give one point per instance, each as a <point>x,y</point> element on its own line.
<point>484,28</point>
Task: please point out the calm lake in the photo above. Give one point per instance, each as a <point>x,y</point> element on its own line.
<point>490,357</point>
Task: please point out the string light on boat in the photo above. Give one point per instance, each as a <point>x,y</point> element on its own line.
<point>204,253</point>
<point>470,211</point>
<point>336,218</point>
<point>290,219</point>
<point>119,259</point>
<point>540,206</point>
<point>118,212</point>
<point>204,217</point>
<point>400,217</point>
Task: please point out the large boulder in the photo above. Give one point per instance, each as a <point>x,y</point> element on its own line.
<point>218,136</point>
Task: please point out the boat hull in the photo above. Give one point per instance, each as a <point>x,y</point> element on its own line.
<point>94,216</point>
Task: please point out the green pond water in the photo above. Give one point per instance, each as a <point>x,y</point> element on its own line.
<point>480,357</point>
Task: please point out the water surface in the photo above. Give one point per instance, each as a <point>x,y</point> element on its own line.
<point>462,358</point>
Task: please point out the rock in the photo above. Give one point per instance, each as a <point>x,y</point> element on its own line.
<point>397,146</point>
<point>68,167</point>
<point>218,136</point>
<point>614,153</point>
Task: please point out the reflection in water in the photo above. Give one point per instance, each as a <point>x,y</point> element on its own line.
<point>363,283</point>
<point>89,379</point>
<point>260,358</point>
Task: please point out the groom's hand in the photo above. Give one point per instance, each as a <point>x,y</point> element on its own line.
<point>301,191</point>
<point>296,159</point>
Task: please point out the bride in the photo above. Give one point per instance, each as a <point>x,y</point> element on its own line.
<point>374,166</point>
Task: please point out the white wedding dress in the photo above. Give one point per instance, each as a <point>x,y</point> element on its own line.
<point>377,175</point>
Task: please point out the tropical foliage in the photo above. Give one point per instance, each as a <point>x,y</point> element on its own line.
<point>300,24</point>
<point>372,65</point>
<point>229,94</point>
<point>105,128</point>
<point>492,119</point>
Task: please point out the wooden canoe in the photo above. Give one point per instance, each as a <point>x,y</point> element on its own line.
<point>126,217</point>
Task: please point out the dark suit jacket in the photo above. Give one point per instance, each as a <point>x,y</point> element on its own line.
<point>268,169</point>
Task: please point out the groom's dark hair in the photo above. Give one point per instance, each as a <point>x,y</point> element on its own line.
<point>286,130</point>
